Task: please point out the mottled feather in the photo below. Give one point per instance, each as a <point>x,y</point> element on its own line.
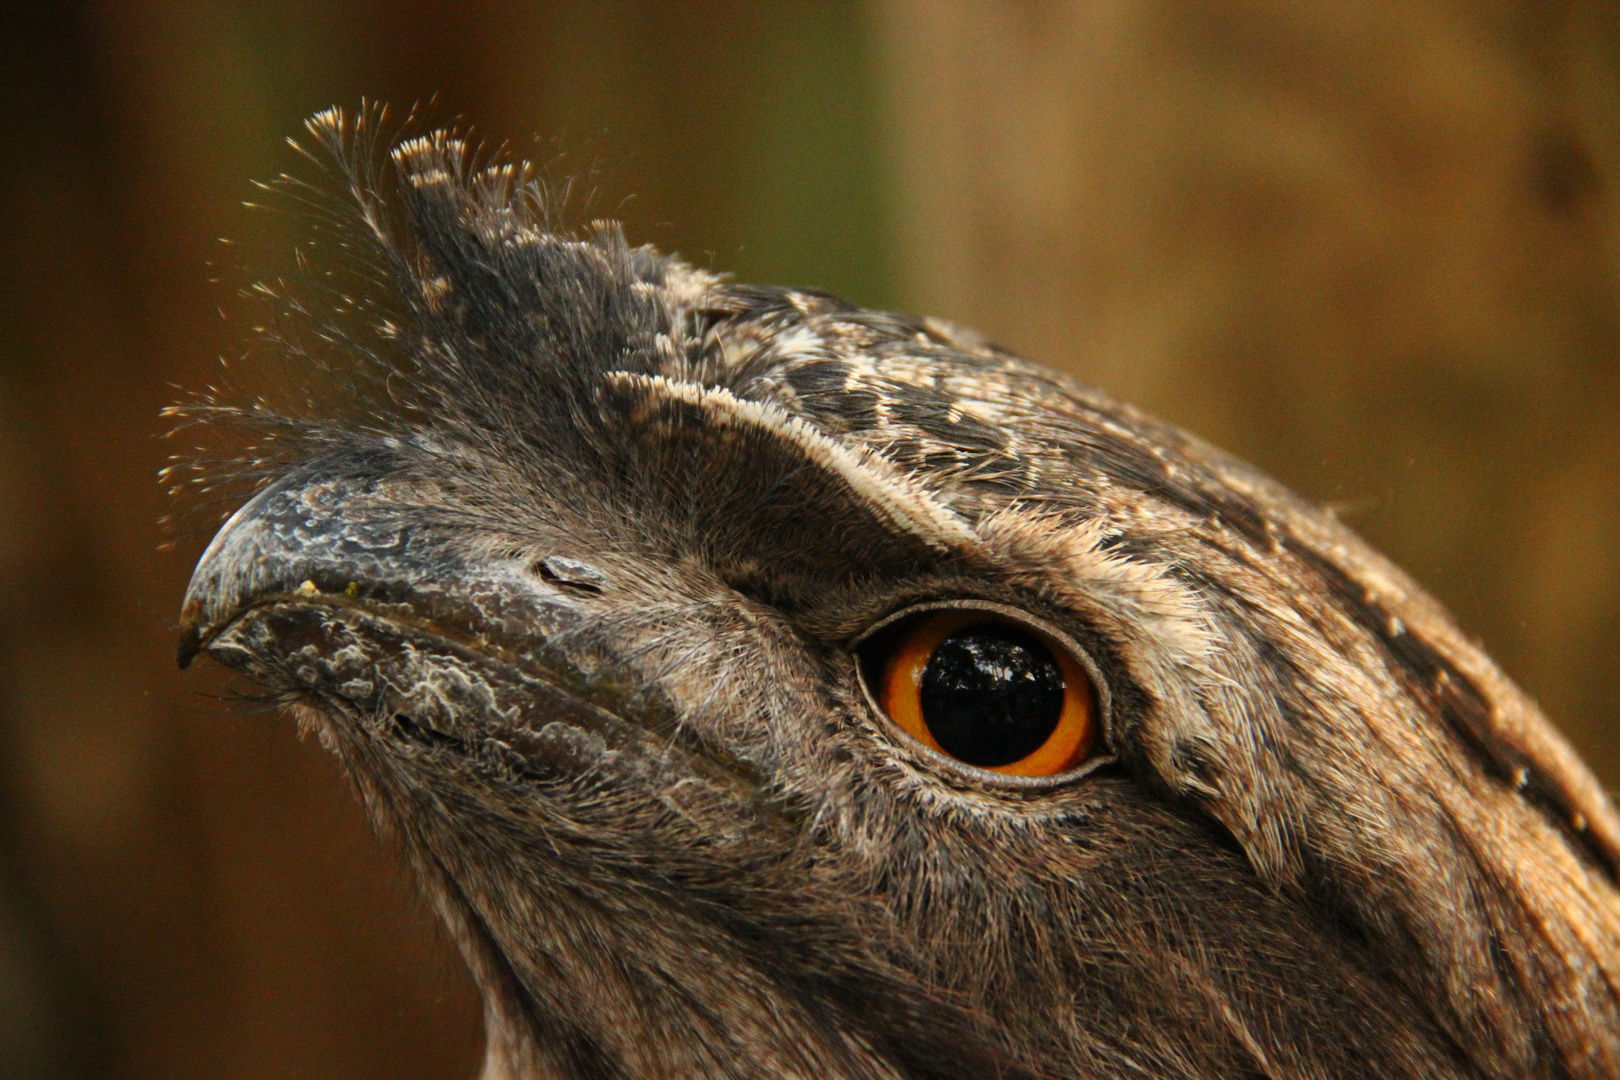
<point>1328,838</point>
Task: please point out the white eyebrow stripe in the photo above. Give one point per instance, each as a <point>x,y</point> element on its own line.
<point>869,474</point>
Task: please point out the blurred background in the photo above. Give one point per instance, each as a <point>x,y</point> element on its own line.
<point>1370,246</point>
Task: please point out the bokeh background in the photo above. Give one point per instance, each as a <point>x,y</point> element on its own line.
<point>1368,245</point>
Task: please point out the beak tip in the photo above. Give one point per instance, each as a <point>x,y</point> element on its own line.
<point>189,646</point>
<point>191,632</point>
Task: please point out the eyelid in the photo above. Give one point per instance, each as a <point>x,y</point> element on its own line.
<point>1103,742</point>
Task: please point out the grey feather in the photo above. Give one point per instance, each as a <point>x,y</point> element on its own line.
<point>576,596</point>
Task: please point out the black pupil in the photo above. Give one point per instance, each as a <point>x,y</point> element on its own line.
<point>991,695</point>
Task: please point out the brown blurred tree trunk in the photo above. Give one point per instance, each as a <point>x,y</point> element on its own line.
<point>1370,247</point>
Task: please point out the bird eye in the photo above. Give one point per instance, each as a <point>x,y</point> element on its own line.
<point>985,689</point>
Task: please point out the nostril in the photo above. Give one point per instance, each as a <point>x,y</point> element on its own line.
<point>561,570</point>
<point>412,730</point>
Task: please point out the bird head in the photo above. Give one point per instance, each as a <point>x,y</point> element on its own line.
<point>764,686</point>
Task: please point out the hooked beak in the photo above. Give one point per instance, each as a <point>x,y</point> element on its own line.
<point>346,591</point>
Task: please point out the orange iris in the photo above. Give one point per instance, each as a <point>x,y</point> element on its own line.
<point>991,692</point>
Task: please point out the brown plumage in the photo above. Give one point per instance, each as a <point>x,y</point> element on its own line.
<point>580,593</point>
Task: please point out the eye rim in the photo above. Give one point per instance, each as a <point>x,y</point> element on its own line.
<point>1101,756</point>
